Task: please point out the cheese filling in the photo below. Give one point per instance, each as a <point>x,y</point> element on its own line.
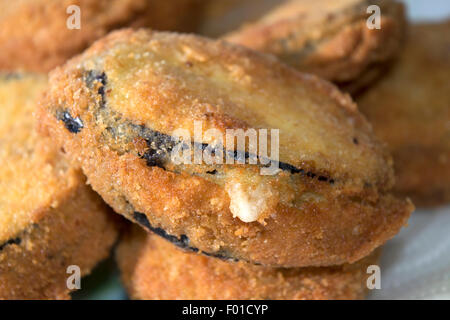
<point>248,203</point>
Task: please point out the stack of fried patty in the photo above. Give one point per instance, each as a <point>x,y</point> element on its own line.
<point>148,123</point>
<point>116,108</point>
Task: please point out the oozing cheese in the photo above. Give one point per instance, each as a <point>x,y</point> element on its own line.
<point>247,203</point>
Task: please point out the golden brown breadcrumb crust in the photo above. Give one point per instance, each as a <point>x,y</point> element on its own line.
<point>49,217</point>
<point>151,268</point>
<point>328,38</point>
<point>79,231</point>
<point>410,111</point>
<point>143,79</point>
<point>34,35</point>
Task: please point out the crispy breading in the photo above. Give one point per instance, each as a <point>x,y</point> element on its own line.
<point>49,218</point>
<point>329,203</point>
<point>152,269</point>
<point>34,35</point>
<point>410,111</point>
<point>328,38</point>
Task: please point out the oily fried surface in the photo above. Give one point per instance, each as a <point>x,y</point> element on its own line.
<point>32,172</point>
<point>328,38</point>
<point>34,35</point>
<point>161,81</point>
<point>154,269</point>
<point>49,217</point>
<point>80,231</point>
<point>410,111</point>
<point>166,81</point>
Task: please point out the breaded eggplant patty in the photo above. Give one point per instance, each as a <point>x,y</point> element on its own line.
<point>49,218</point>
<point>117,109</point>
<point>328,38</point>
<point>410,111</point>
<point>151,269</point>
<point>35,34</point>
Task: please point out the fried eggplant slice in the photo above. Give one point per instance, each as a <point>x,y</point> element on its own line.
<point>410,111</point>
<point>328,38</point>
<point>153,269</point>
<point>328,202</point>
<point>49,218</point>
<point>37,35</point>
